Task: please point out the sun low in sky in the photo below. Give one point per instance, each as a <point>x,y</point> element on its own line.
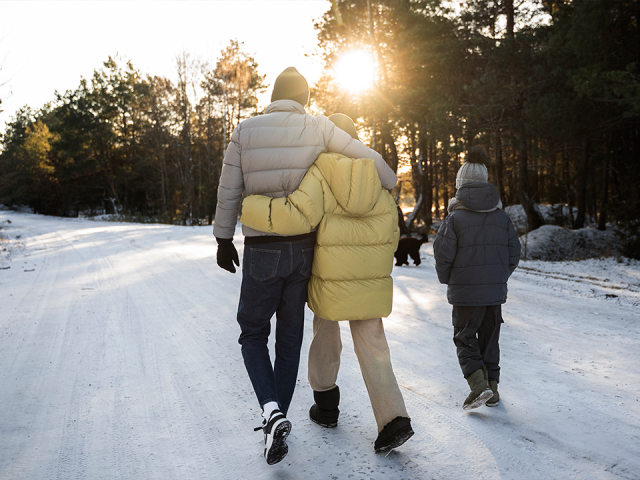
<point>355,71</point>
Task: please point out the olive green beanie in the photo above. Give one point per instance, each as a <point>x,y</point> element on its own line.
<point>290,85</point>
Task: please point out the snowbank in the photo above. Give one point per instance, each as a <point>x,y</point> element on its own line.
<point>9,243</point>
<point>553,215</point>
<point>16,208</point>
<point>553,243</point>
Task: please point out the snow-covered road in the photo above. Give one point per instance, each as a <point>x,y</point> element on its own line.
<point>120,361</point>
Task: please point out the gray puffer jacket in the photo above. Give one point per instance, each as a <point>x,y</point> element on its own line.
<point>270,154</point>
<point>477,247</point>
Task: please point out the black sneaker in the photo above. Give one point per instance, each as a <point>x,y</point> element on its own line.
<point>394,434</point>
<point>276,431</point>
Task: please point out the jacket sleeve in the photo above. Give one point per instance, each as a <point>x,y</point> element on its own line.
<point>514,247</point>
<point>230,190</point>
<point>296,214</point>
<point>445,247</point>
<point>339,141</point>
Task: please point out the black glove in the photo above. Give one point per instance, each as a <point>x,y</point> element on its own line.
<point>227,254</point>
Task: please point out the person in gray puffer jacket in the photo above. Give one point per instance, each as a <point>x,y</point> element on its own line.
<point>476,251</point>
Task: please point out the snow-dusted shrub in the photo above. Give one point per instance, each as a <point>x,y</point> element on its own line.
<point>17,208</point>
<point>557,214</point>
<point>553,243</point>
<point>629,235</point>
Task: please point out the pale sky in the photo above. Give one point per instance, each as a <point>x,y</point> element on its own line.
<point>49,45</point>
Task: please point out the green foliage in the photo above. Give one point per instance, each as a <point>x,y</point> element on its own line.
<point>549,88</point>
<point>141,147</point>
<point>25,162</point>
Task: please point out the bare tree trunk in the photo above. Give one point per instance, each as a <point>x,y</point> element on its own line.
<point>445,182</point>
<point>390,147</point>
<point>435,182</point>
<point>509,11</point>
<point>567,182</point>
<point>499,168</point>
<point>602,219</point>
<point>423,202</point>
<point>426,188</point>
<point>535,175</point>
<point>582,185</point>
<point>534,218</point>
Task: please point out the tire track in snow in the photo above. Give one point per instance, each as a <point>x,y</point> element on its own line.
<point>31,388</point>
<point>81,430</point>
<point>449,438</point>
<point>206,444</point>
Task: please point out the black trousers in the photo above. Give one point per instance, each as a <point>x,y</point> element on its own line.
<point>476,331</point>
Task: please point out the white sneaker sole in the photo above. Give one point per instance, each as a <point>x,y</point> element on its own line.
<point>276,447</point>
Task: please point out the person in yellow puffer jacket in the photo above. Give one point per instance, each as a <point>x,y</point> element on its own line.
<point>357,233</point>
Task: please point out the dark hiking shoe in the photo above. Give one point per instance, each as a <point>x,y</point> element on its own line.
<point>480,391</point>
<point>276,431</point>
<point>325,411</point>
<point>394,434</point>
<point>494,401</point>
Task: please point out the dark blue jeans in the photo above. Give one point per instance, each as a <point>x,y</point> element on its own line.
<point>274,280</point>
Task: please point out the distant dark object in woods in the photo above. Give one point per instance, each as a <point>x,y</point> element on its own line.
<point>401,223</point>
<point>409,247</point>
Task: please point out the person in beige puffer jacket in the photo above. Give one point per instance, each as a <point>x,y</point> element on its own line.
<point>357,234</point>
<point>269,155</point>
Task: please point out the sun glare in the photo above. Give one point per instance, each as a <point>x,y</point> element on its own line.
<point>355,71</point>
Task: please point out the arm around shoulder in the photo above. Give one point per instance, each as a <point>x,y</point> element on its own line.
<point>296,214</point>
<point>357,149</point>
<point>341,142</point>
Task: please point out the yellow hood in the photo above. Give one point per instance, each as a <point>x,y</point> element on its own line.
<point>354,182</point>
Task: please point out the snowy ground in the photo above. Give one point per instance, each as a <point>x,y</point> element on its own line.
<point>120,361</point>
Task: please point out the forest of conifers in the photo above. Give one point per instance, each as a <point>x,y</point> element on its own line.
<point>551,89</point>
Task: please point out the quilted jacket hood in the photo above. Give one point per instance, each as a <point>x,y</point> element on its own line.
<point>354,182</point>
<point>478,197</point>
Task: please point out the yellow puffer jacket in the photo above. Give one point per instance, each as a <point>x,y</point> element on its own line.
<point>357,235</point>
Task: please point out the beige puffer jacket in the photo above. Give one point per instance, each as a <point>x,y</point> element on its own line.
<point>271,153</point>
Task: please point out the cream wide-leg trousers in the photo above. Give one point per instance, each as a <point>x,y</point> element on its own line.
<point>372,350</point>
